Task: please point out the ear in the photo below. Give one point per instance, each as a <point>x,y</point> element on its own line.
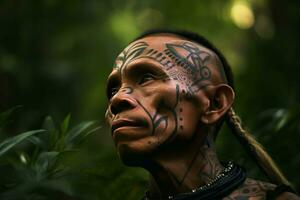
<point>221,99</point>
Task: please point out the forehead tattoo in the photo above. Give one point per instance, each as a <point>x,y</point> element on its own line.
<point>183,61</point>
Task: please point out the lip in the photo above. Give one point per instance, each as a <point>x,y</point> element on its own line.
<point>128,123</point>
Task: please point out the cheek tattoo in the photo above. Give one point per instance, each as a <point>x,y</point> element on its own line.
<point>156,121</point>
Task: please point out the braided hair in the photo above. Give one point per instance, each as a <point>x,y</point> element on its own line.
<point>247,140</point>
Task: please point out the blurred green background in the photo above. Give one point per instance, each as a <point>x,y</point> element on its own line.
<point>55,57</point>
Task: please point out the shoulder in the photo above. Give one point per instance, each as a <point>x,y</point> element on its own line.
<point>288,196</point>
<point>258,190</point>
<point>251,190</point>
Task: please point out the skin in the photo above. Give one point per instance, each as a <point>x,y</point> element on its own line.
<point>166,97</point>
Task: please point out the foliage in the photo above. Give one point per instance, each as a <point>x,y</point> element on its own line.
<point>46,166</point>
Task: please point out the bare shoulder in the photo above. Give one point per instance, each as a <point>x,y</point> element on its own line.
<point>288,196</point>
<point>251,190</point>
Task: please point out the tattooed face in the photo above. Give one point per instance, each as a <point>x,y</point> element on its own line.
<point>156,95</point>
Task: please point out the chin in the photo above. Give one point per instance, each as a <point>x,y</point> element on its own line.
<point>134,154</point>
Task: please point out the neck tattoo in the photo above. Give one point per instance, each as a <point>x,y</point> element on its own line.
<point>230,178</point>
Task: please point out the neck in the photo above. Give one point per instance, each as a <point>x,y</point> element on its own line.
<point>185,170</point>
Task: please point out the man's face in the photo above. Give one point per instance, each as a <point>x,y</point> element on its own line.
<point>151,91</point>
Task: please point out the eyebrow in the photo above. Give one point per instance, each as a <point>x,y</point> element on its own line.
<point>146,63</point>
<point>112,81</point>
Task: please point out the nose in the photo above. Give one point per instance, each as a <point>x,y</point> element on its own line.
<point>121,102</point>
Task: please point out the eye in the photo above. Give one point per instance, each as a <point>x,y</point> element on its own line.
<point>112,92</point>
<point>146,77</point>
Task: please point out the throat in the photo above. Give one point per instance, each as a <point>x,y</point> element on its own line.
<point>184,173</point>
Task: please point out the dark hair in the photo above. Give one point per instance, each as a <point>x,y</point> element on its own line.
<point>254,149</point>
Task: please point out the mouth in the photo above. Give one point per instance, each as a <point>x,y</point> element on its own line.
<point>126,123</point>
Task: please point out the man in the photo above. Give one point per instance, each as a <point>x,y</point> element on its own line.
<point>169,94</point>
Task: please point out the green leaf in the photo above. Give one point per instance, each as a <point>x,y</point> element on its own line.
<point>78,130</point>
<point>65,125</point>
<point>11,142</point>
<point>36,141</point>
<point>282,121</point>
<point>48,124</point>
<point>92,131</point>
<point>44,159</point>
<point>84,136</point>
<point>60,161</point>
<point>50,139</point>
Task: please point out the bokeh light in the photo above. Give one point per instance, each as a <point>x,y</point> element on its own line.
<point>242,15</point>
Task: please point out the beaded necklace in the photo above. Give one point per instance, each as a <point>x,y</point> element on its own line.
<point>229,179</point>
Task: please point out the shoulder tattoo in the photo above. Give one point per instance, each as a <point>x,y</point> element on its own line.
<point>251,190</point>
